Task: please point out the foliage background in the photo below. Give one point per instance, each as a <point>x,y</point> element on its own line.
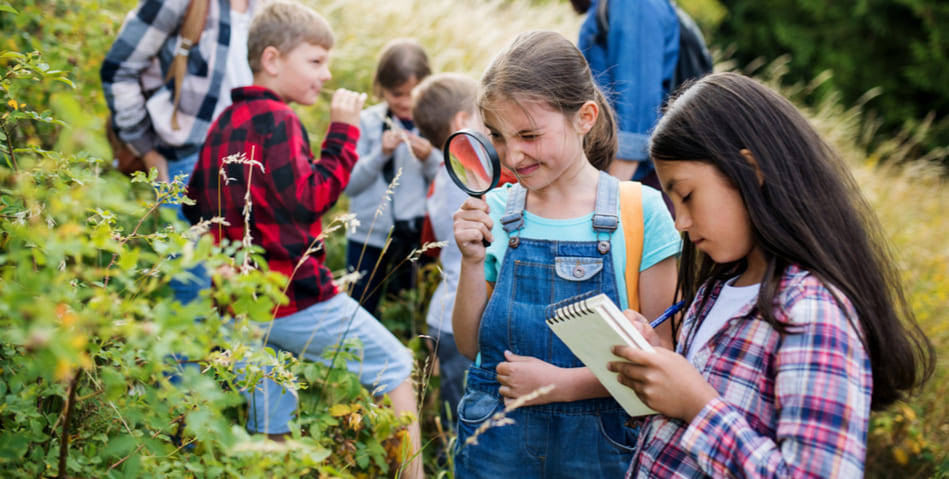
<point>897,50</point>
<point>63,216</point>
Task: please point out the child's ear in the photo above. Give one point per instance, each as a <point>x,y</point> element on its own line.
<point>459,121</point>
<point>754,163</point>
<point>270,60</point>
<point>586,117</point>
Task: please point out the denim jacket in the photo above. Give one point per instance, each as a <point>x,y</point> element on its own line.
<point>634,67</point>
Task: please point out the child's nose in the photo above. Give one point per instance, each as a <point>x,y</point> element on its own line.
<point>682,221</point>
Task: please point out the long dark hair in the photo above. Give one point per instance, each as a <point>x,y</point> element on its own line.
<point>544,66</point>
<point>809,212</point>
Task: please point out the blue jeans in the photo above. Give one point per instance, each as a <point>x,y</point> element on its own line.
<point>188,289</point>
<point>385,363</point>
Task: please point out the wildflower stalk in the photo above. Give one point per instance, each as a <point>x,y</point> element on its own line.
<point>501,419</point>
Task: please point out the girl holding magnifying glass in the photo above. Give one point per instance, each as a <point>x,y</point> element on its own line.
<point>552,236</point>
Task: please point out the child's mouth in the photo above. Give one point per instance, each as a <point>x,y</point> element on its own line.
<point>526,170</point>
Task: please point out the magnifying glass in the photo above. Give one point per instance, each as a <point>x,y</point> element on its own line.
<point>472,163</point>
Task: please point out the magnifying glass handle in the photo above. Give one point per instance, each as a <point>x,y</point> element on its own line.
<point>484,241</point>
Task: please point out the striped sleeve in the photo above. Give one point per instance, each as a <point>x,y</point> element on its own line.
<point>141,37</point>
<point>822,397</point>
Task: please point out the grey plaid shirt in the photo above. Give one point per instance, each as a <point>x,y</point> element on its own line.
<point>134,70</point>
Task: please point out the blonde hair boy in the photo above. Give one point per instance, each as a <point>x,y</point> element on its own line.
<point>285,25</point>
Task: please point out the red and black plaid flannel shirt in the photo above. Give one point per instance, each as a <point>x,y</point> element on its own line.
<point>289,197</point>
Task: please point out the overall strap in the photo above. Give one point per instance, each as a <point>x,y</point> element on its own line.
<point>631,212</point>
<point>605,219</point>
<point>513,218</point>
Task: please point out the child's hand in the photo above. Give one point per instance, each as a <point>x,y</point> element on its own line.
<point>472,225</point>
<point>522,375</point>
<point>664,380</point>
<point>421,147</point>
<point>642,325</point>
<point>346,106</point>
<point>390,141</point>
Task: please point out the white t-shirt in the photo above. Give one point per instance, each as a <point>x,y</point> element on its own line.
<point>237,74</point>
<point>730,301</point>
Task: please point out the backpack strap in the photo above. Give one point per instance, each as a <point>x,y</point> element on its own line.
<point>631,215</point>
<point>192,26</point>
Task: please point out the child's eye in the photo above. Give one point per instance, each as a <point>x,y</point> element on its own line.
<point>686,197</point>
<point>529,136</point>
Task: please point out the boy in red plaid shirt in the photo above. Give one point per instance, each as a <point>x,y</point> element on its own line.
<point>288,49</point>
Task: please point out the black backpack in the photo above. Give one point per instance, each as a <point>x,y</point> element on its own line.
<point>694,59</point>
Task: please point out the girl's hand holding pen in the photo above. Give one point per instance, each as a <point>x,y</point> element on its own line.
<point>665,380</point>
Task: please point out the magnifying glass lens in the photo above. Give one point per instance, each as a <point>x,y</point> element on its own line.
<point>471,163</point>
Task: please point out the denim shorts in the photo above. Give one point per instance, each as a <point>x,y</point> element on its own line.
<point>385,362</point>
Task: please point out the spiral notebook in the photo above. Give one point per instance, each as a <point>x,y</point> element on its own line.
<point>590,327</point>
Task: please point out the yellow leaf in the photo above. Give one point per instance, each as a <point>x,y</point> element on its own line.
<point>909,412</point>
<point>78,341</point>
<point>13,104</point>
<point>900,455</point>
<point>63,370</point>
<point>85,361</point>
<point>337,410</point>
<point>354,421</point>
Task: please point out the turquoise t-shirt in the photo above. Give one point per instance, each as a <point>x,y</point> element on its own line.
<point>660,241</point>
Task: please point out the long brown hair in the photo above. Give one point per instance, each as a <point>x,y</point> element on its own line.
<point>544,66</point>
<point>808,212</point>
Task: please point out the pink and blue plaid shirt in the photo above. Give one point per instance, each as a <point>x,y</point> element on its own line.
<point>791,406</point>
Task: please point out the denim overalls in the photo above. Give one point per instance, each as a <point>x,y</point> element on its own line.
<point>578,439</point>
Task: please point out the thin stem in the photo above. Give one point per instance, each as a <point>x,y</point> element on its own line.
<point>126,239</point>
<point>64,439</point>
<point>6,133</point>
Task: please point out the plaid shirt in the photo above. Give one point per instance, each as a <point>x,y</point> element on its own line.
<point>134,69</point>
<point>792,406</point>
<point>288,197</point>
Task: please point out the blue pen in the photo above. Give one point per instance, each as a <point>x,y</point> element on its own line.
<point>668,313</point>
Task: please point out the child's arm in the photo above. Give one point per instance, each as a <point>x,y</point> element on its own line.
<point>371,157</point>
<point>321,182</point>
<point>472,225</point>
<point>522,375</point>
<point>657,286</point>
<point>822,386</point>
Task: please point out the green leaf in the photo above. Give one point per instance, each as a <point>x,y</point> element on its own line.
<point>7,8</point>
<point>13,445</point>
<point>129,258</point>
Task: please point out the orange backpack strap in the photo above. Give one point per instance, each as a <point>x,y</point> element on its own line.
<point>631,217</point>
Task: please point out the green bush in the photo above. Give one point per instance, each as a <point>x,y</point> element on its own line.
<point>898,46</point>
<point>102,373</point>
